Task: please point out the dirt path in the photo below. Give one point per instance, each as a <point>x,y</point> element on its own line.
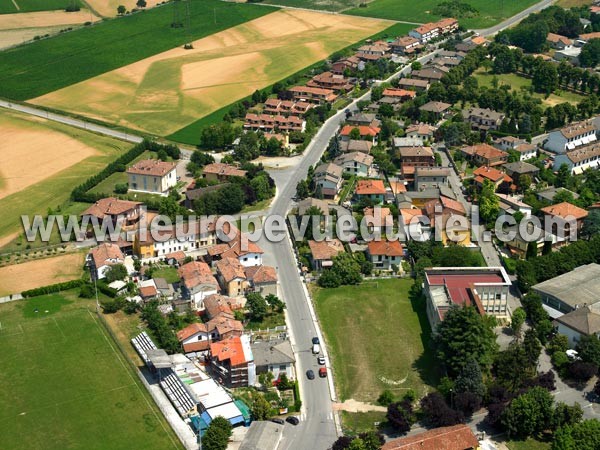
<point>352,405</point>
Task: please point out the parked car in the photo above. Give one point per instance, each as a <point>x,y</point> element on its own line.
<point>279,421</point>
<point>310,374</point>
<point>293,420</point>
<point>316,349</point>
<point>321,360</point>
<point>323,372</point>
<point>315,340</point>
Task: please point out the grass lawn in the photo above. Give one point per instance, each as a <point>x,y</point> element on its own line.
<point>54,191</point>
<point>45,66</point>
<point>10,6</point>
<point>69,387</point>
<point>379,339</point>
<point>490,13</point>
<point>529,444</point>
<point>272,320</point>
<point>321,5</point>
<point>258,206</point>
<point>168,273</point>
<point>359,422</point>
<point>517,83</point>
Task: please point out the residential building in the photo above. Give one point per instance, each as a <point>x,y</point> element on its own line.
<point>584,321</point>
<point>275,356</point>
<point>328,80</point>
<point>440,110</point>
<point>431,177</point>
<point>193,193</point>
<point>510,204</point>
<point>483,119</point>
<point>377,218</point>
<point>400,142</point>
<point>579,159</point>
<point>447,25</point>
<point>443,216</point>
<point>232,277</point>
<point>402,94</point>
<point>232,362</point>
<point>220,305</point>
<point>501,181</point>
<point>373,190</point>
<point>224,326</point>
<point>429,74</point>
<point>571,136</point>
<point>572,290</point>
<point>310,202</point>
<point>416,224</point>
<point>197,283</point>
<point>415,157</point>
<point>485,155</point>
<point>312,95</point>
<point>323,252</point>
<point>508,142</point>
<point>262,280</point>
<point>519,169</point>
<point>363,119</point>
<point>221,173</point>
<point>356,145</point>
<point>275,106</point>
<point>194,338</point>
<point>558,42</point>
<point>102,257</point>
<point>586,37</point>
<point>350,63</point>
<point>159,243</point>
<point>378,49</point>
<point>272,124</point>
<point>526,151</point>
<point>328,179</point>
<point>519,245</point>
<point>413,84</point>
<point>405,45</point>
<point>365,132</point>
<point>247,252</point>
<point>152,176</point>
<point>421,131</point>
<point>123,212</point>
<point>356,163</point>
<point>384,254</point>
<point>564,220</point>
<point>456,437</point>
<point>569,54</point>
<point>478,40</point>
<point>485,288</point>
<point>548,194</point>
<point>425,32</point>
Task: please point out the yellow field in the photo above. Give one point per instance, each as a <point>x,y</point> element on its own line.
<point>108,8</point>
<point>166,92</point>
<point>21,277</point>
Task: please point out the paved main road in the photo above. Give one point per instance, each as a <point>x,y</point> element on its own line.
<point>516,18</point>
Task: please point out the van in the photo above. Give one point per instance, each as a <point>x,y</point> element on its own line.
<point>316,349</point>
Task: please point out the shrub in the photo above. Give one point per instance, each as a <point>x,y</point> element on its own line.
<point>582,371</point>
<point>52,288</point>
<point>386,398</point>
<point>86,291</point>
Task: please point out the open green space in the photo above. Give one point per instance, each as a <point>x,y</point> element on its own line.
<point>517,82</point>
<point>354,423</point>
<point>50,64</point>
<point>21,6</point>
<point>529,444</point>
<point>379,338</point>
<point>168,273</point>
<point>64,384</point>
<point>490,12</point>
<point>321,5</point>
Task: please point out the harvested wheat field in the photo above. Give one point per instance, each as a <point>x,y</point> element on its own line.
<point>32,153</point>
<point>166,92</point>
<point>17,278</point>
<point>108,8</point>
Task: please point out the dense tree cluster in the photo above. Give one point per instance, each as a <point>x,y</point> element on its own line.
<point>160,329</point>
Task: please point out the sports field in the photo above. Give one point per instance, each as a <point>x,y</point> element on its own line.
<point>16,6</point>
<point>378,338</point>
<point>491,12</point>
<point>64,385</point>
<point>42,161</point>
<point>47,65</point>
<point>166,92</point>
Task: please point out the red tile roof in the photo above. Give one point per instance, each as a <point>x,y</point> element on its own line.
<point>363,129</point>
<point>457,437</point>
<point>223,170</point>
<point>229,349</point>
<point>261,274</point>
<point>325,250</point>
<point>216,305</point>
<point>230,269</point>
<point>191,330</point>
<point>386,248</point>
<point>152,167</point>
<point>196,273</point>
<point>110,206</point>
<point>224,325</point>
<point>368,187</point>
<point>104,253</point>
<point>485,151</point>
<point>491,174</point>
<point>564,210</point>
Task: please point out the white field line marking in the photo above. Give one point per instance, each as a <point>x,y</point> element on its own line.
<point>16,6</point>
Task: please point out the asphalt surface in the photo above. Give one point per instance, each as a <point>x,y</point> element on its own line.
<point>515,19</point>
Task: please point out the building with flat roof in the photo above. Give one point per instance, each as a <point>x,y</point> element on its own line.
<point>571,290</point>
<point>485,288</point>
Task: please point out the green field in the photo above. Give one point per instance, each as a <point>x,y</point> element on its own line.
<point>53,191</point>
<point>517,82</point>
<point>490,12</point>
<point>64,384</point>
<point>8,6</point>
<point>321,5</point>
<point>45,66</point>
<point>168,273</point>
<point>378,338</point>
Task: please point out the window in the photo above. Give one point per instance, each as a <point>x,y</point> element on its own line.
<point>282,368</point>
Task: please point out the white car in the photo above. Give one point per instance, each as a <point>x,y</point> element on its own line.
<point>316,349</point>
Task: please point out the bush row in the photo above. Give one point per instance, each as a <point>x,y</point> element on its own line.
<point>52,288</point>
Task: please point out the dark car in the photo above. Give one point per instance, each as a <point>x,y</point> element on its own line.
<point>279,421</point>
<point>293,420</point>
<point>310,375</point>
<point>315,340</point>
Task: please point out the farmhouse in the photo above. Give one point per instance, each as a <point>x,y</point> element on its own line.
<point>102,257</point>
<point>123,212</point>
<point>323,252</point>
<point>328,179</point>
<point>356,163</point>
<point>221,172</point>
<point>152,176</point>
<point>558,42</point>
<point>197,283</point>
<point>275,356</point>
<point>483,119</point>
<point>384,254</point>
<point>579,159</point>
<point>373,190</point>
<point>232,361</point>
<point>485,288</point>
<point>485,155</point>
<point>571,136</point>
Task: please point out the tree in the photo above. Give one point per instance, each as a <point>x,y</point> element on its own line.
<point>386,398</point>
<point>590,53</point>
<point>217,434</point>
<point>231,199</point>
<point>400,416</point>
<point>116,272</point>
<point>302,190</point>
<point>545,79</point>
<point>518,318</point>
<point>489,203</point>
<point>532,348</point>
<point>470,379</point>
<point>529,413</point>
<point>345,270</point>
<point>275,302</point>
<point>121,10</point>
<point>580,436</point>
<point>141,3</point>
<point>582,371</point>
<point>438,413</point>
<point>464,334</point>
<point>355,134</point>
<point>257,306</point>
<point>591,224</point>
<point>566,415</point>
<point>416,65</point>
<point>261,409</point>
<point>588,349</point>
<point>467,403</point>
<point>373,440</point>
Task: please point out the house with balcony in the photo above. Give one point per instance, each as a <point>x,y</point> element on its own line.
<point>579,159</point>
<point>125,213</point>
<point>328,179</point>
<point>485,155</point>
<point>406,45</point>
<point>355,163</point>
<point>232,362</point>
<point>385,254</point>
<point>197,283</point>
<point>373,190</point>
<point>312,94</point>
<point>152,176</point>
<point>501,181</point>
<point>571,136</point>
<point>564,220</point>
<point>483,119</point>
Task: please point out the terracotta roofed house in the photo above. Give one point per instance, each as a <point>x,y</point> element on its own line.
<point>221,172</point>
<point>371,189</point>
<point>194,337</point>
<point>232,276</point>
<point>102,257</point>
<point>413,83</point>
<point>356,145</point>
<point>558,42</point>
<point>425,32</point>
<point>405,45</point>
<point>456,437</point>
<point>421,130</point>
<point>232,361</point>
<point>152,176</point>
<point>123,211</point>
<point>485,155</point>
<point>313,95</point>
<point>262,279</point>
<point>365,132</point>
<point>216,305</point>
<point>499,179</point>
<point>323,252</point>
<point>198,282</point>
<point>403,94</point>
<point>384,253</point>
<point>562,217</point>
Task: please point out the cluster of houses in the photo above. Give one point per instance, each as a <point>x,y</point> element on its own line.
<point>567,49</point>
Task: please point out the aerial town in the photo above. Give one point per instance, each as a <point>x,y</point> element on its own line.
<point>300,225</point>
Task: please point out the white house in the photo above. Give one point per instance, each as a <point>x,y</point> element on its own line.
<point>384,254</point>
<point>571,136</point>
<point>579,159</point>
<point>510,204</point>
<point>152,176</point>
<point>102,257</point>
<point>194,338</point>
<point>584,321</point>
<point>328,178</point>
<point>355,163</point>
<point>198,282</point>
<point>275,356</point>
<point>425,32</point>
